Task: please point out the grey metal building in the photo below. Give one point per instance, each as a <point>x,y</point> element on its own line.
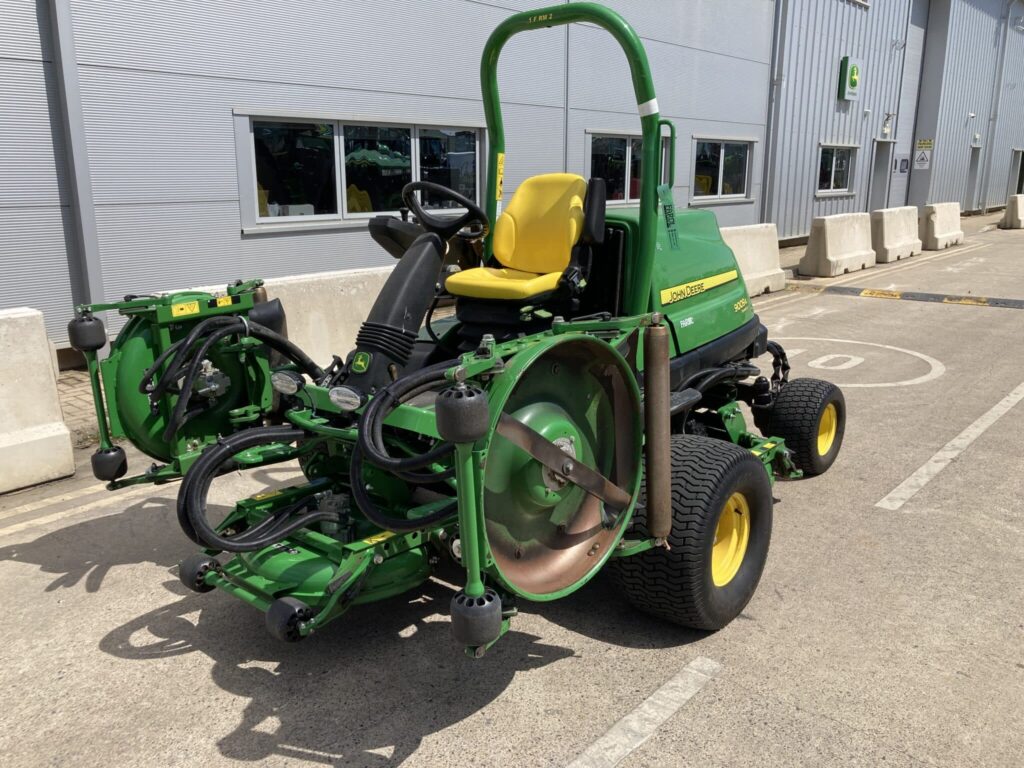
<point>936,115</point>
<point>151,145</point>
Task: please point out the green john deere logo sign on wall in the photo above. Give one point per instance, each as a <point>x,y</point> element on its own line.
<point>360,362</point>
<point>851,73</point>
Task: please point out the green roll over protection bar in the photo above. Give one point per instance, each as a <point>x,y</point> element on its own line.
<point>638,299</point>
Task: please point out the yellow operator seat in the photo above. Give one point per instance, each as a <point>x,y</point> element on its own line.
<point>533,241</point>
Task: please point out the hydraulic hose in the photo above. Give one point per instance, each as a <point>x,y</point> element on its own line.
<point>371,423</point>
<point>182,348</point>
<point>193,492</point>
<point>217,328</point>
<point>378,518</point>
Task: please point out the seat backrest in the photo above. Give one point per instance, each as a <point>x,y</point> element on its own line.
<point>541,224</point>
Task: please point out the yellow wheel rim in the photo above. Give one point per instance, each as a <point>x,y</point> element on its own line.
<point>732,534</point>
<point>827,429</point>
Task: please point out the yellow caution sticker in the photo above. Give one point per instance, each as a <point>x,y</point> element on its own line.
<point>378,538</point>
<point>499,187</point>
<point>697,287</point>
<point>266,495</point>
<point>225,301</point>
<point>185,308</point>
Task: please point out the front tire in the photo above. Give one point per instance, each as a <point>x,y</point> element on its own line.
<point>810,415</point>
<point>721,529</point>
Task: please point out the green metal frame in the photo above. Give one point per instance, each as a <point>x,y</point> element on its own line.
<point>153,326</point>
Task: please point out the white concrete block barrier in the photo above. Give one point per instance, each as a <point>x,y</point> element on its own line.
<point>837,245</point>
<point>35,445</point>
<point>325,309</point>
<point>939,226</point>
<point>757,251</point>
<point>1013,216</point>
<point>894,234</point>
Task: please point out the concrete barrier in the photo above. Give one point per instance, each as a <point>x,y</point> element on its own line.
<point>35,446</point>
<point>939,226</point>
<point>757,251</point>
<point>894,233</point>
<point>325,309</point>
<point>837,245</point>
<point>1013,216</point>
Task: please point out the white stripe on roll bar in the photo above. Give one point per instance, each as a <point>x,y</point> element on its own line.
<point>648,108</point>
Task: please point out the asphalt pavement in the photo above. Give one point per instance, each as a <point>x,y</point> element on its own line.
<point>888,628</point>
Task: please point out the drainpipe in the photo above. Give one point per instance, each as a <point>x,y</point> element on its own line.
<point>772,118</point>
<point>86,258</point>
<point>997,99</point>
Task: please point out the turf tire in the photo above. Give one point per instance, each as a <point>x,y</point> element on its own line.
<point>795,416</point>
<point>676,584</point>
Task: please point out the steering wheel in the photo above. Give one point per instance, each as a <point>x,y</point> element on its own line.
<point>444,227</point>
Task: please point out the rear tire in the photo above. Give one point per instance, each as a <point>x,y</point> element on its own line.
<point>718,489</point>
<point>810,415</point>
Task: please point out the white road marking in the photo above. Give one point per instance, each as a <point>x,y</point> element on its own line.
<point>906,490</point>
<point>133,495</point>
<point>828,362</point>
<point>936,368</point>
<point>640,724</point>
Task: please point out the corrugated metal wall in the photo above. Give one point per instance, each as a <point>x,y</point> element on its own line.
<point>1009,133</point>
<point>33,198</point>
<point>818,33</point>
<point>972,52</point>
<point>159,82</point>
<point>962,63</point>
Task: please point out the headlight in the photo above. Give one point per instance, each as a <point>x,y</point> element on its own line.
<point>287,382</point>
<point>345,398</point>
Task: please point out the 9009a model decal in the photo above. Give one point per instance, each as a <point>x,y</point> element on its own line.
<point>696,287</point>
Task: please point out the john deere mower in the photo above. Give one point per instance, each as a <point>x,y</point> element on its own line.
<point>586,406</point>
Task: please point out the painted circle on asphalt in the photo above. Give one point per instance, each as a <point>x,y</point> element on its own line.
<point>830,355</point>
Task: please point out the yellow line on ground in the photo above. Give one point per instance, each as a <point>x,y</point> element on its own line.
<point>51,501</point>
<point>35,522</point>
<point>814,289</point>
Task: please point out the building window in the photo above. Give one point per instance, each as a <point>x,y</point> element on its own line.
<point>834,169</point>
<point>295,169</point>
<point>721,169</point>
<point>348,170</point>
<point>616,159</point>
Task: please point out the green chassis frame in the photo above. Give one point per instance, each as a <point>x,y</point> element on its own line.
<point>331,576</point>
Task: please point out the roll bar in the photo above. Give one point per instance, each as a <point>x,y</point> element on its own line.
<point>638,279</point>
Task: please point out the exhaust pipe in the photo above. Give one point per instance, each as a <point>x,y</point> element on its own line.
<point>657,425</point>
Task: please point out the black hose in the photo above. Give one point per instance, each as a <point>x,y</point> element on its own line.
<point>279,343</point>
<point>371,423</point>
<point>193,492</point>
<point>183,348</point>
<point>378,518</point>
<point>180,414</point>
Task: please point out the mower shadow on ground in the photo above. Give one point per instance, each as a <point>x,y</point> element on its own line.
<point>364,691</point>
<point>145,532</point>
<point>600,611</point>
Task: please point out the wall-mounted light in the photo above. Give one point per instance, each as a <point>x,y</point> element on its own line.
<point>1018,24</point>
<point>971,115</point>
<point>898,45</point>
<point>887,123</point>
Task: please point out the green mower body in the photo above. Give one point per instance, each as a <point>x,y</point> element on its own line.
<point>531,442</point>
